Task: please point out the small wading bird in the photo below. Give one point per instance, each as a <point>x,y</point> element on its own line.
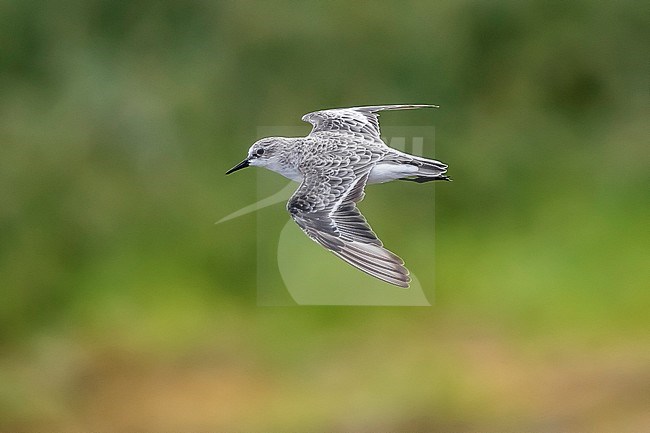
<point>333,164</point>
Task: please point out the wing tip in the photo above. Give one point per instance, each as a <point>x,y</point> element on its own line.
<point>377,262</point>
<point>376,108</point>
<point>413,106</point>
<point>373,108</point>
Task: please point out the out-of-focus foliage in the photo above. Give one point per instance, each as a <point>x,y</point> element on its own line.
<point>125,308</point>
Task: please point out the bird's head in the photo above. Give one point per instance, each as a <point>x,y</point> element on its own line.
<point>263,153</point>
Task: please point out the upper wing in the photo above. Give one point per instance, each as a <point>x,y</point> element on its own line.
<point>324,206</point>
<point>363,120</point>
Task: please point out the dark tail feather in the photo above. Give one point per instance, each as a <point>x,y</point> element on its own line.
<point>428,170</point>
<point>428,166</point>
<point>424,179</point>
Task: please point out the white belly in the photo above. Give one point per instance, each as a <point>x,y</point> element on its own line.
<point>380,173</point>
<point>384,172</point>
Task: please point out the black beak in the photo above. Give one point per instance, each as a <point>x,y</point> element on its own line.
<point>239,166</point>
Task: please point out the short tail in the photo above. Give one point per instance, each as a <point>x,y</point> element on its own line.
<point>428,170</point>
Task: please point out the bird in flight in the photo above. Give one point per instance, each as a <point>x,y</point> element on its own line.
<point>341,155</point>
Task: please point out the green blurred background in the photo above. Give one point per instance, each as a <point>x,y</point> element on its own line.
<point>124,308</point>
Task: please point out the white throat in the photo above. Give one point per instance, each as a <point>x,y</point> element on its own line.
<point>286,171</point>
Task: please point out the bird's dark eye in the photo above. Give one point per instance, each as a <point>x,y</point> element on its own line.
<point>259,152</point>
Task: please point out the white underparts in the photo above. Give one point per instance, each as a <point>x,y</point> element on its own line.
<point>385,172</point>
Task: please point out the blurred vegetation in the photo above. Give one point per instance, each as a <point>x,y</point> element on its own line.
<point>125,308</point>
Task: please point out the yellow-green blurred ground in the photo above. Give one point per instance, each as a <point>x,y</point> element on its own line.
<point>124,308</point>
